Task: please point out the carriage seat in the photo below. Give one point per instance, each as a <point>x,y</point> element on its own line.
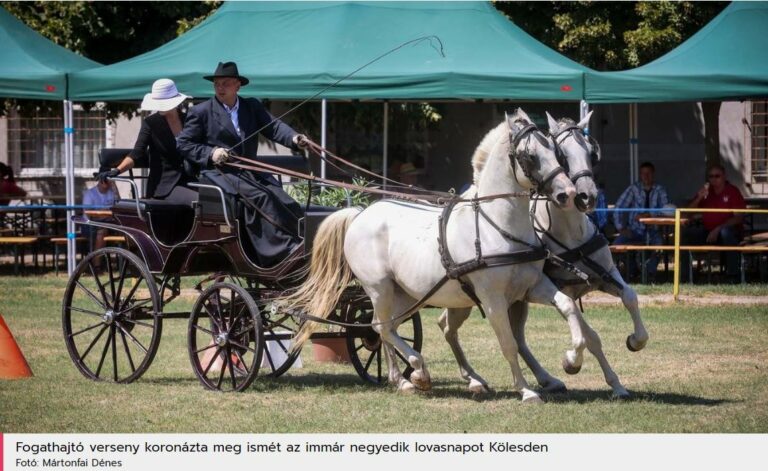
<point>170,222</point>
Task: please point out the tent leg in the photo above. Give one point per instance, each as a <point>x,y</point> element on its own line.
<point>385,151</point>
<point>69,166</point>
<point>323,132</point>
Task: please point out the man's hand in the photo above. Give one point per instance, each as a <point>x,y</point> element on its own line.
<point>712,236</point>
<point>300,141</point>
<point>111,173</point>
<point>219,156</point>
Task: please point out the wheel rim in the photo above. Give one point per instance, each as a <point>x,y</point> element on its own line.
<point>279,329</point>
<point>364,345</point>
<point>111,316</point>
<point>225,338</point>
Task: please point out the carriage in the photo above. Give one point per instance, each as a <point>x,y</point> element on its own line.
<point>115,301</point>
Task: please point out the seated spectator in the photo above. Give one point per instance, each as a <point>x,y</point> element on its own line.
<point>8,187</point>
<point>716,228</point>
<point>103,194</point>
<point>642,194</point>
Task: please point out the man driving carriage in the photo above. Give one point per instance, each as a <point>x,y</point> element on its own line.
<point>224,125</point>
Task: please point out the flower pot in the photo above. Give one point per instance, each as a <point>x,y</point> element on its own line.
<point>330,350</point>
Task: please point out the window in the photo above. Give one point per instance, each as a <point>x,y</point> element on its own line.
<point>36,143</point>
<point>758,161</point>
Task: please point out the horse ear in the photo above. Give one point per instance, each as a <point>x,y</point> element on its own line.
<point>584,123</point>
<point>521,114</point>
<point>552,123</point>
<point>510,120</point>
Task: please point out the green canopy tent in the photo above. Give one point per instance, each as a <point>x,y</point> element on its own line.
<point>292,50</point>
<point>32,67</point>
<point>725,60</point>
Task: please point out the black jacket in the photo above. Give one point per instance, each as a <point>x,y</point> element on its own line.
<point>208,126</point>
<point>156,148</point>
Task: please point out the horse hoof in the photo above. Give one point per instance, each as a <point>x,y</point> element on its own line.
<point>406,387</point>
<point>476,387</point>
<point>631,347</point>
<point>555,387</point>
<point>424,384</point>
<point>530,397</point>
<point>570,368</point>
<point>621,395</point>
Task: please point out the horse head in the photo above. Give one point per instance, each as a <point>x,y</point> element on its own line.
<point>534,162</point>
<point>579,153</point>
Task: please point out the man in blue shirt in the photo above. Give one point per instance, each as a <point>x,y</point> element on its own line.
<point>103,194</point>
<point>642,194</point>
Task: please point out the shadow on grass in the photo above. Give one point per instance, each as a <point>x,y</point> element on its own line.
<point>583,396</point>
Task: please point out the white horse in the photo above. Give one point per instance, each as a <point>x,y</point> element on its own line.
<point>564,230</point>
<point>392,249</point>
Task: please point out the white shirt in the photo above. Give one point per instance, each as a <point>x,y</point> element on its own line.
<point>233,115</point>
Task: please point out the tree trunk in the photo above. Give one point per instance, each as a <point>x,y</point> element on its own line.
<point>711,113</point>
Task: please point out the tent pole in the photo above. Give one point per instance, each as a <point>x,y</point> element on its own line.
<point>323,133</point>
<point>69,130</point>
<point>385,135</point>
<point>635,142</point>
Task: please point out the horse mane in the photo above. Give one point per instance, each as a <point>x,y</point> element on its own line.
<point>483,150</point>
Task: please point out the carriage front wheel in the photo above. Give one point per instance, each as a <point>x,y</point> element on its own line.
<point>364,344</point>
<point>225,338</point>
<point>112,316</point>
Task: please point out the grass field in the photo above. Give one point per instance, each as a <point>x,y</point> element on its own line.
<point>704,370</point>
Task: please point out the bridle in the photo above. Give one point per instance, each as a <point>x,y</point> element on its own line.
<point>578,135</point>
<point>527,161</point>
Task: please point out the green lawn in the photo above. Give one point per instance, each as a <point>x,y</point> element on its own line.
<point>704,370</point>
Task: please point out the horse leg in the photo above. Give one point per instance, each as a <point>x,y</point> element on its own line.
<point>595,346</point>
<point>518,315</point>
<point>498,318</point>
<point>395,376</point>
<point>388,303</point>
<point>637,340</point>
<point>545,292</point>
<point>450,321</point>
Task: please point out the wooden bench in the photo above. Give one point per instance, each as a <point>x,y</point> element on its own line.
<point>115,239</point>
<point>742,249</point>
<point>58,242</point>
<point>20,243</point>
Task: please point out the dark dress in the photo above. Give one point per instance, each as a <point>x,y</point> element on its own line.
<point>156,148</point>
<point>269,217</point>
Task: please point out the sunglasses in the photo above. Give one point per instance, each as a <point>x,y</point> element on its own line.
<point>715,175</point>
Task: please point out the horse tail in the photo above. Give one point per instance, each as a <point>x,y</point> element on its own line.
<point>329,274</point>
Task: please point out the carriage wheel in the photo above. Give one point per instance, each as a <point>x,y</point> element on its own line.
<point>279,330</point>
<point>112,316</point>
<point>225,338</point>
<point>364,345</point>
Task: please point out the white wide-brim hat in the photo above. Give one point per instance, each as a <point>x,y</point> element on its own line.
<point>164,96</point>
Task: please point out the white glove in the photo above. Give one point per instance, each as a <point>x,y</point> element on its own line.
<point>300,141</point>
<point>219,156</point>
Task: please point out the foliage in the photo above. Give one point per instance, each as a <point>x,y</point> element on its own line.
<point>331,196</point>
<point>611,35</point>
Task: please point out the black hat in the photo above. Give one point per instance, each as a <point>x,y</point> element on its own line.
<point>227,69</point>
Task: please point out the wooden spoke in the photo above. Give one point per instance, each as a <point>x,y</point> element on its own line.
<point>134,339</point>
<point>91,295</point>
<point>213,360</point>
<point>104,352</point>
<point>85,330</point>
<point>127,352</point>
<point>93,342</point>
<point>84,311</point>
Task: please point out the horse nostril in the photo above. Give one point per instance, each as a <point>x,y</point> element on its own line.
<point>584,197</point>
<point>562,198</point>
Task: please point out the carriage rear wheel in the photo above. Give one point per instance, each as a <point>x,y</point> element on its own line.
<point>225,338</point>
<point>364,344</point>
<point>112,316</point>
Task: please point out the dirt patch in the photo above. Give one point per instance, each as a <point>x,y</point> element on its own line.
<point>693,300</point>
